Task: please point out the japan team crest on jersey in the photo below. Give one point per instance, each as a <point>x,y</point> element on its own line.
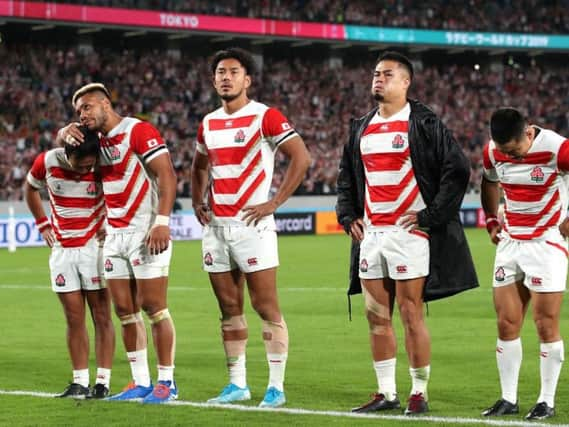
<point>239,137</point>
<point>398,141</point>
<point>537,174</point>
<point>115,153</point>
<point>108,265</point>
<point>92,189</point>
<point>60,280</point>
<point>500,274</point>
<point>363,266</point>
<point>208,259</point>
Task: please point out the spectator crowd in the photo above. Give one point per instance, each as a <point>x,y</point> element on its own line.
<point>320,97</point>
<point>524,16</point>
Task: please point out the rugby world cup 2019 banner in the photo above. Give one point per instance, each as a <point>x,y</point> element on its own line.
<point>25,233</point>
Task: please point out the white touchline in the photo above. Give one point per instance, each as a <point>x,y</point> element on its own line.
<point>298,411</point>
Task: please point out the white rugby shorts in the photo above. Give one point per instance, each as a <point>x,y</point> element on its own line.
<point>75,269</point>
<point>250,249</point>
<point>125,255</point>
<point>541,264</point>
<point>394,253</point>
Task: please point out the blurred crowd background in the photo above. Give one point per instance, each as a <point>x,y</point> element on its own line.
<point>533,16</point>
<point>319,94</point>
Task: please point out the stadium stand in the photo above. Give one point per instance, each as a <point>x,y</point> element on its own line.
<point>503,15</point>
<point>36,83</point>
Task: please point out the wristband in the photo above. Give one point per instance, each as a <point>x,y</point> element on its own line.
<point>42,223</point>
<point>491,221</point>
<point>162,220</point>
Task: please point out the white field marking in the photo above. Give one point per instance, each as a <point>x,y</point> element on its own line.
<point>298,411</point>
<point>47,286</point>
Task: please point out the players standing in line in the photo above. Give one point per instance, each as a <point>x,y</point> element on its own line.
<point>237,144</point>
<point>139,187</point>
<point>75,263</point>
<point>400,186</point>
<point>531,255</point>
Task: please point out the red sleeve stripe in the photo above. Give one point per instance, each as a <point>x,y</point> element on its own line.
<point>486,158</point>
<point>563,156</point>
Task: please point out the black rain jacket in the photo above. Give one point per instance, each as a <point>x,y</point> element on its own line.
<point>442,172</point>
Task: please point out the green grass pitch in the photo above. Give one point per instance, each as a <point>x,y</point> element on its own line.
<point>329,367</point>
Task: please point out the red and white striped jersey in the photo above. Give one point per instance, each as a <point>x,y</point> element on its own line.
<point>535,191</point>
<point>76,201</point>
<point>391,188</point>
<point>131,193</point>
<point>241,149</point>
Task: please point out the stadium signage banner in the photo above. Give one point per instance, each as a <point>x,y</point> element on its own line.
<point>296,223</point>
<point>178,21</point>
<point>119,17</point>
<point>182,227</point>
<point>455,38</point>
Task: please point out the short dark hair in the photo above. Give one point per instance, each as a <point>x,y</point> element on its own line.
<point>507,124</point>
<point>244,57</point>
<point>391,55</point>
<point>89,146</point>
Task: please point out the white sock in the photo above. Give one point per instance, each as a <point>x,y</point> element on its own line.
<point>277,366</point>
<point>139,367</point>
<point>237,370</point>
<point>385,373</point>
<point>550,361</point>
<point>509,360</point>
<point>420,379</point>
<point>81,376</point>
<point>103,376</point>
<point>166,373</point>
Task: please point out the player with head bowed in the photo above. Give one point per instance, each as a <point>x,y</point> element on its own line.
<point>139,187</point>
<point>401,182</point>
<point>529,164</point>
<point>237,145</point>
<point>73,184</point>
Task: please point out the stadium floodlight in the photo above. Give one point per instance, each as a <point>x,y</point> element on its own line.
<point>89,30</point>
<point>42,27</point>
<point>134,33</point>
